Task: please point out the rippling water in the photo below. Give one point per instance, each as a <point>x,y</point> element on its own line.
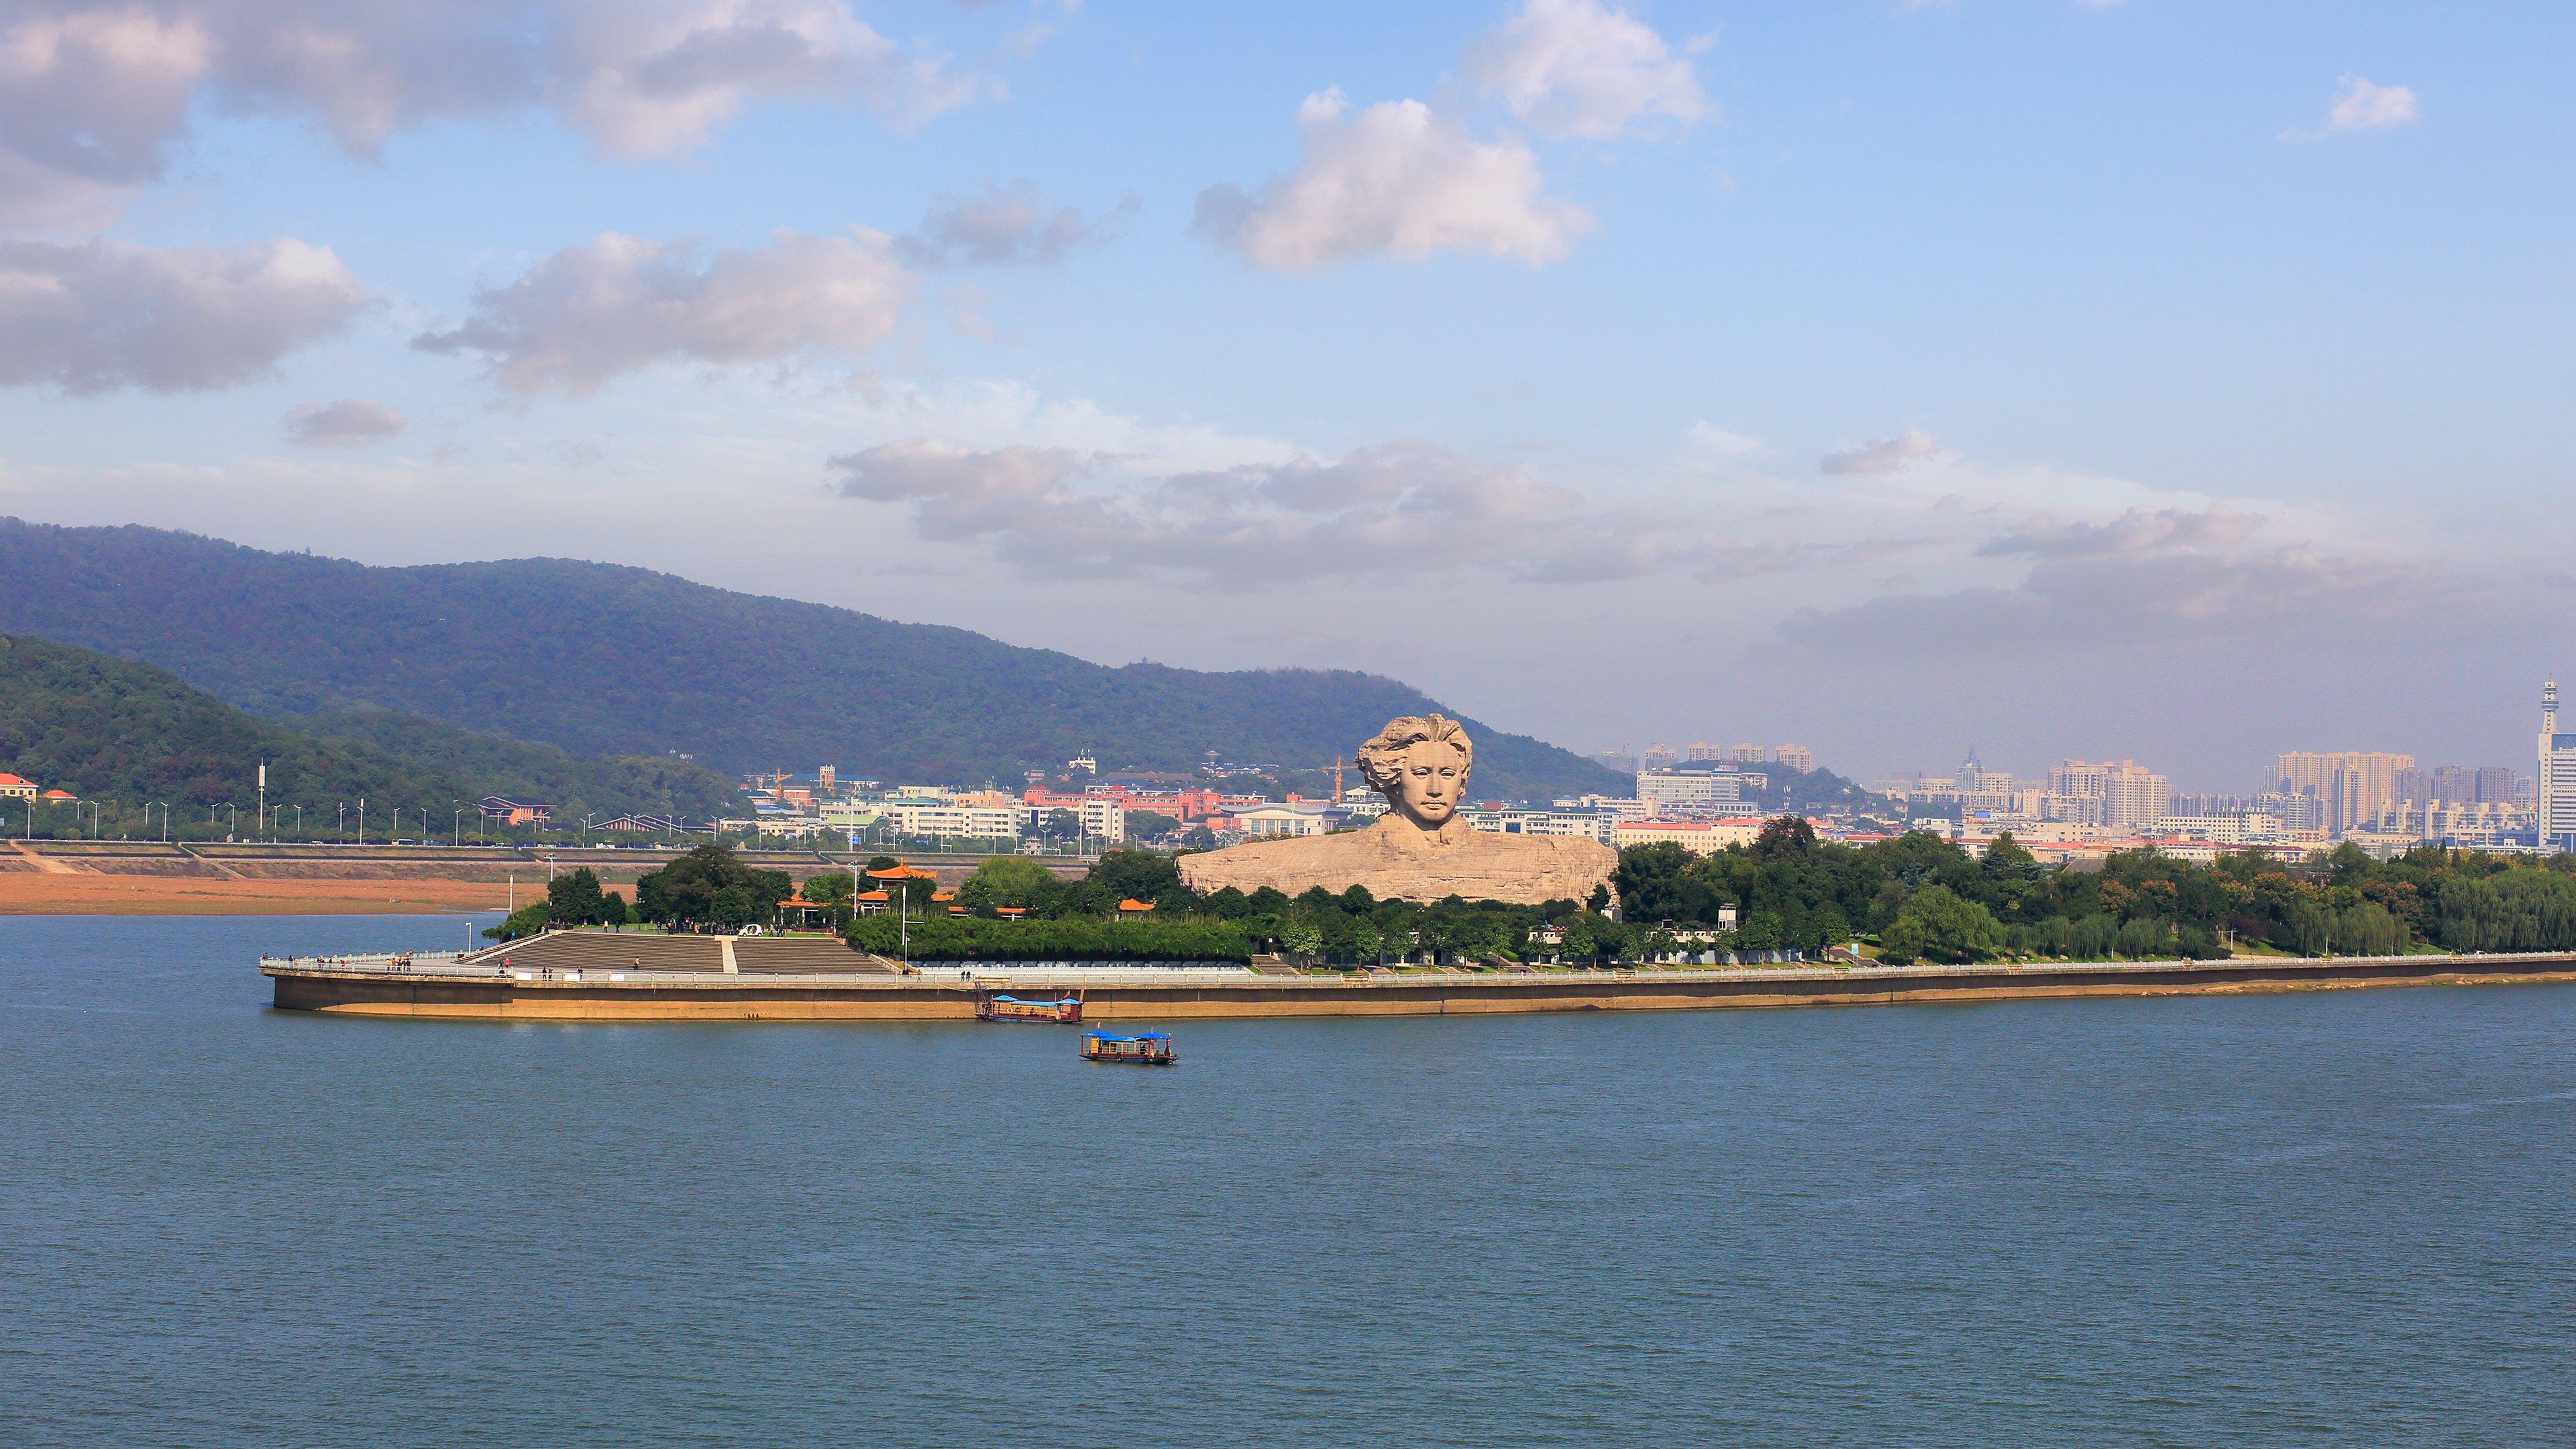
<point>2341,1218</point>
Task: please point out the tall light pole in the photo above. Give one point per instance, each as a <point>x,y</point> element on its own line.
<point>263,797</point>
<point>362,820</point>
<point>342,829</point>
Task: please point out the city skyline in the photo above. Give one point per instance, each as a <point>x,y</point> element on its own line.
<point>2150,381</point>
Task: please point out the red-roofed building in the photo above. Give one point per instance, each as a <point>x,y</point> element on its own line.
<point>16,787</point>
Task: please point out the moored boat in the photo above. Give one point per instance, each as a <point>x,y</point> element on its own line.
<point>1145,1049</point>
<point>992,1006</point>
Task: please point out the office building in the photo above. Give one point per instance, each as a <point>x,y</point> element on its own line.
<point>2555,796</point>
<point>1689,792</point>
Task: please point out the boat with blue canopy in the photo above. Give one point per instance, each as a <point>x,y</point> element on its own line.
<point>1145,1049</point>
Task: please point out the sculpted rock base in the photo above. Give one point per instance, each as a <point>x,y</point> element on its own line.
<point>1397,860</point>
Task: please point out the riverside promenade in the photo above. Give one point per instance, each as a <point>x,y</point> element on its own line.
<point>595,976</point>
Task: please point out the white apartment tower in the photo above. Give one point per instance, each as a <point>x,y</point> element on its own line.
<point>2557,792</point>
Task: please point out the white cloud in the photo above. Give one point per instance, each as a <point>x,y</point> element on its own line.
<point>2137,531</point>
<point>590,313</point>
<point>2362,106</point>
<point>106,315</point>
<point>87,100</point>
<point>1882,455</point>
<point>1004,226</point>
<point>2255,603</point>
<point>93,95</point>
<point>1583,69</point>
<point>653,80</point>
<point>1396,179</point>
<point>1401,508</point>
<point>1711,443</point>
<point>348,423</point>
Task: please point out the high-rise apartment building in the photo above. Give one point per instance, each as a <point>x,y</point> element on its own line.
<point>1704,753</point>
<point>1746,754</point>
<point>2356,785</point>
<point>1796,757</point>
<point>2126,794</point>
<point>2497,785</point>
<point>2555,800</point>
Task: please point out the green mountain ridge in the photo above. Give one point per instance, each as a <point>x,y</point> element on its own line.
<point>129,734</point>
<point>601,659</point>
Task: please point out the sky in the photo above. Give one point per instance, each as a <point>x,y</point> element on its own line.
<point>2147,379</point>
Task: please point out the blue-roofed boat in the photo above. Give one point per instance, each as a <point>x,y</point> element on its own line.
<point>1145,1049</point>
<point>992,1006</point>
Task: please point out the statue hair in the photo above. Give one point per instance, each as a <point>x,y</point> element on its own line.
<point>1382,758</point>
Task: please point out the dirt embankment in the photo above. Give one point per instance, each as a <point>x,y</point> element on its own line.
<point>146,878</point>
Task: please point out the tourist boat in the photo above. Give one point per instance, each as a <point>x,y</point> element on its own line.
<point>990,1006</point>
<point>1146,1049</point>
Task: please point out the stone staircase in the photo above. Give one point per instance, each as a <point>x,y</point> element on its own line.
<point>588,951</point>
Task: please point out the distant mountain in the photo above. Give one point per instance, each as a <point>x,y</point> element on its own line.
<point>576,785</point>
<point>128,734</point>
<point>605,660</point>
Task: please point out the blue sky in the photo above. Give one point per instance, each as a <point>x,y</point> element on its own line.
<point>2178,381</point>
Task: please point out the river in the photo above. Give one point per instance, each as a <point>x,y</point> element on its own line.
<point>2340,1218</point>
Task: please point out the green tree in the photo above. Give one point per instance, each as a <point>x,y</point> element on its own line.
<point>1592,938</point>
<point>1936,925</point>
<point>574,898</point>
<point>1141,874</point>
<point>527,920</point>
<point>709,886</point>
<point>1656,883</point>
<point>1010,880</point>
<point>1788,838</point>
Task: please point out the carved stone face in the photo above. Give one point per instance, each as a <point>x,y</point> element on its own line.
<point>1428,782</point>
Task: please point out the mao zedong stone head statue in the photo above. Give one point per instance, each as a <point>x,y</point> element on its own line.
<point>1421,849</point>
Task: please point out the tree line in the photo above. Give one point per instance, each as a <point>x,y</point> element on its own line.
<point>1914,898</point>
<point>1924,898</point>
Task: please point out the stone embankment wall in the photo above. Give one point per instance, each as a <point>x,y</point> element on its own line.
<point>868,992</point>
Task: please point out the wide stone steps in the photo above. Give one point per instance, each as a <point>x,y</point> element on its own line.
<point>588,951</point>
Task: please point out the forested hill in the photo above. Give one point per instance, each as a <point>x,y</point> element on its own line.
<point>127,734</point>
<point>604,660</point>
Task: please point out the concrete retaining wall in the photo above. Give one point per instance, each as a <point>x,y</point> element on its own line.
<point>749,997</point>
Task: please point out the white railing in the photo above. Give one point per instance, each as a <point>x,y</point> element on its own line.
<point>1044,975</point>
